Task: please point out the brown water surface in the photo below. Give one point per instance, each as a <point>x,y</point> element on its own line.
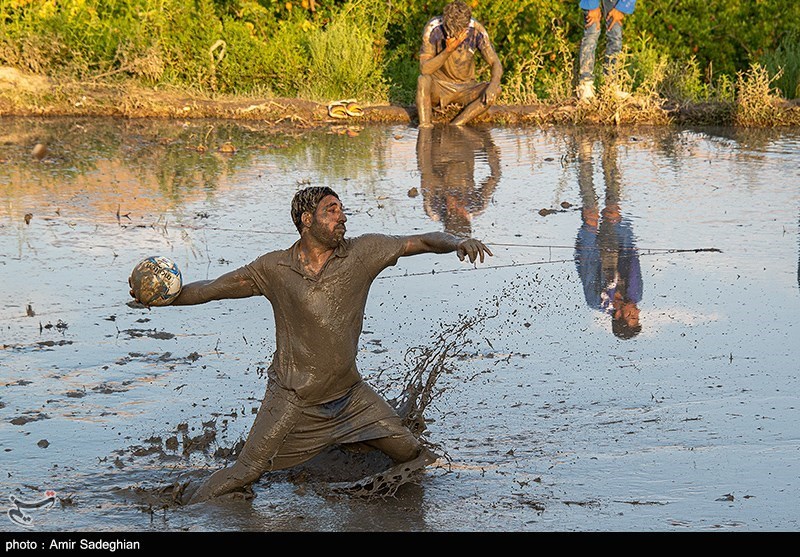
<point>547,418</point>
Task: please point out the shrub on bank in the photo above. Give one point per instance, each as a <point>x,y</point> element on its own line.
<point>331,49</point>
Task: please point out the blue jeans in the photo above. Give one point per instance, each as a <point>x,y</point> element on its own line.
<point>589,43</point>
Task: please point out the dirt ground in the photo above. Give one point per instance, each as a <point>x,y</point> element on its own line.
<point>32,95</point>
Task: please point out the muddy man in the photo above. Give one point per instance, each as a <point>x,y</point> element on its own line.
<point>318,289</point>
<point>446,159</point>
<point>447,66</point>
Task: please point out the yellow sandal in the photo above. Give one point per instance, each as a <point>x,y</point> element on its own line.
<point>345,109</point>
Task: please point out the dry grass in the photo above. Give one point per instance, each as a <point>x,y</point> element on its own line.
<point>519,86</point>
<point>758,102</point>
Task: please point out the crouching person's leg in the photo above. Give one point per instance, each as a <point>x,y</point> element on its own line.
<point>425,101</point>
<point>410,458</point>
<point>400,447</point>
<point>223,482</point>
<point>475,103</point>
<point>274,422</point>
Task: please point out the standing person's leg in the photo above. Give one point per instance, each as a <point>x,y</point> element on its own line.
<point>613,39</point>
<point>611,62</point>
<point>586,57</point>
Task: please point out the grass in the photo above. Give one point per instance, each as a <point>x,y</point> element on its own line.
<point>785,60</point>
<point>756,99</point>
<point>342,62</point>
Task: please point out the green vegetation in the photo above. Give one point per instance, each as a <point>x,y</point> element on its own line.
<point>687,52</point>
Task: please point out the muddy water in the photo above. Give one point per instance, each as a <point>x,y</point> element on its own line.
<point>547,420</point>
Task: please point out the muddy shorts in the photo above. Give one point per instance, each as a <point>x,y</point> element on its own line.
<point>444,93</point>
<point>287,433</point>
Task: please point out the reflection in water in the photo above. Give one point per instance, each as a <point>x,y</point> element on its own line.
<point>446,157</point>
<point>96,367</point>
<point>98,166</point>
<point>605,253</point>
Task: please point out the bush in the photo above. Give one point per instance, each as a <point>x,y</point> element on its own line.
<point>784,62</point>
<point>755,98</point>
<point>342,60</point>
<point>329,49</point>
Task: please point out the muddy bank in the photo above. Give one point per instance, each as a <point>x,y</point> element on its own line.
<point>31,95</point>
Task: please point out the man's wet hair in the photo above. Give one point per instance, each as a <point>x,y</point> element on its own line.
<point>623,330</point>
<point>456,17</point>
<point>307,199</point>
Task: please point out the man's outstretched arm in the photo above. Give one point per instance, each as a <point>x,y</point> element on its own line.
<point>442,242</point>
<point>234,284</point>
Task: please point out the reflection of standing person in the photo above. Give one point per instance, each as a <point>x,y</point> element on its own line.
<point>613,12</point>
<point>605,253</point>
<point>318,290</point>
<point>447,66</point>
<point>446,158</point>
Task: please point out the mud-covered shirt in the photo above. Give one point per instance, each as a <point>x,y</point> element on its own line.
<point>318,319</point>
<point>460,66</point>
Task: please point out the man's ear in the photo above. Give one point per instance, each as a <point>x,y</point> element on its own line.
<point>306,218</point>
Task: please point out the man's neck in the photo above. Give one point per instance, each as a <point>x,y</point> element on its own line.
<point>313,255</point>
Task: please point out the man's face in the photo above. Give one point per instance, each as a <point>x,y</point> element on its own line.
<point>327,223</point>
<point>628,312</point>
<point>452,29</point>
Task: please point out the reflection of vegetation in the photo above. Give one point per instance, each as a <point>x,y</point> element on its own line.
<point>756,139</point>
<point>340,154</point>
<point>104,157</point>
<point>669,145</point>
<point>108,159</point>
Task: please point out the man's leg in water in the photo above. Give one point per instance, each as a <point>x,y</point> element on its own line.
<point>275,420</point>
<point>286,434</point>
<point>409,456</point>
<point>400,448</point>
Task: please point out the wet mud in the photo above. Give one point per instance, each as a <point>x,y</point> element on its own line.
<point>354,470</point>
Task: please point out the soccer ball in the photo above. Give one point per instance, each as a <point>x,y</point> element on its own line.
<point>156,281</point>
